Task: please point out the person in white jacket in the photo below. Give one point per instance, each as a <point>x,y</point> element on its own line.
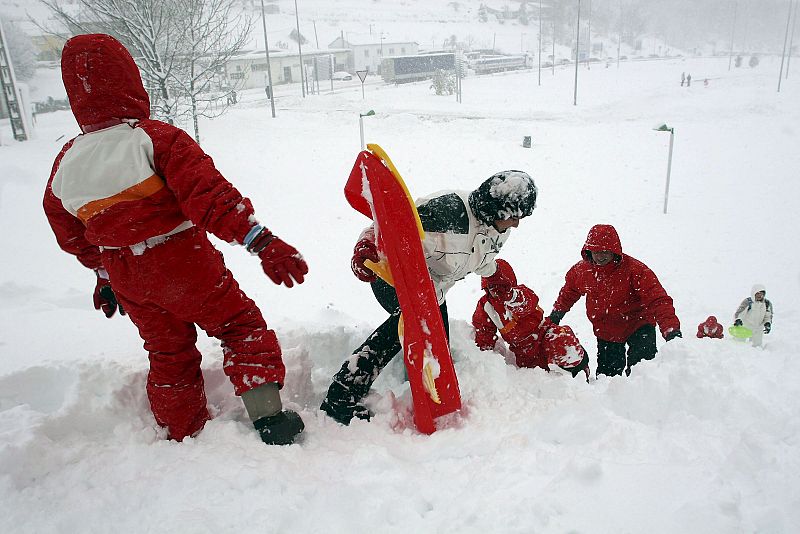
<point>463,233</point>
<point>755,312</point>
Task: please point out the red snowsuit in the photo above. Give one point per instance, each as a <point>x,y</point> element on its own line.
<point>621,296</point>
<point>514,311</point>
<point>710,328</point>
<point>136,196</point>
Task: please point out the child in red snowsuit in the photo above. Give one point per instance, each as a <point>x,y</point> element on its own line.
<point>710,328</point>
<point>513,310</point>
<point>132,198</point>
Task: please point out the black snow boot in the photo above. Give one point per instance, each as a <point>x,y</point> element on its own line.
<point>283,428</point>
<point>341,405</point>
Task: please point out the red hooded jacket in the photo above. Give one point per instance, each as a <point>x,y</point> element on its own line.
<point>515,312</point>
<point>621,296</point>
<point>128,178</point>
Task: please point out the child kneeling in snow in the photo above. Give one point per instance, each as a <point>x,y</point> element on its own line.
<point>513,310</point>
<point>710,328</point>
<point>755,312</point>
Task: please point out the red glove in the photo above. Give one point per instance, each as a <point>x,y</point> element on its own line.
<point>104,297</point>
<point>364,250</point>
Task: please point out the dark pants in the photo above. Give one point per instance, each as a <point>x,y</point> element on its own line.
<point>355,378</point>
<point>611,355</point>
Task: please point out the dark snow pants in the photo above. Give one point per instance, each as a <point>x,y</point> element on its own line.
<point>611,355</point>
<point>355,378</point>
<point>167,290</point>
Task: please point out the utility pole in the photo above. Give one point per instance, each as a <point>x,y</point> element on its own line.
<point>553,66</point>
<point>300,50</point>
<point>785,39</point>
<point>577,52</point>
<point>791,39</point>
<point>8,86</point>
<point>619,41</point>
<point>733,33</point>
<point>589,37</point>
<point>540,43</point>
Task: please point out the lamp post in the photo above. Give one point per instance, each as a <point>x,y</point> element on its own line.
<point>300,50</point>
<point>733,33</point>
<point>577,53</point>
<point>361,125</point>
<point>269,70</point>
<point>665,128</point>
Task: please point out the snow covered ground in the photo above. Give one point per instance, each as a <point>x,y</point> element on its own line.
<point>705,438</point>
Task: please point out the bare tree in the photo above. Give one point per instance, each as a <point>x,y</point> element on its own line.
<point>23,53</point>
<point>179,45</point>
<point>212,34</point>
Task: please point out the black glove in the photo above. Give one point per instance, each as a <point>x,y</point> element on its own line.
<point>556,316</point>
<point>737,322</point>
<point>104,298</point>
<point>767,327</point>
<point>672,334</point>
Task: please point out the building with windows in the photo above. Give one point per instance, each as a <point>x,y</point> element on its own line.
<point>368,51</point>
<point>249,70</point>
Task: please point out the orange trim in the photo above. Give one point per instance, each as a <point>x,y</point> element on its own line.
<point>143,189</point>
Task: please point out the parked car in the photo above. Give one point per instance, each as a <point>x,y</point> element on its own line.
<point>342,76</point>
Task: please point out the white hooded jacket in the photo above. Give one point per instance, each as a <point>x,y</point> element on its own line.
<point>754,313</point>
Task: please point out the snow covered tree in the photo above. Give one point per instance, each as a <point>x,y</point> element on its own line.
<point>180,46</point>
<point>23,53</point>
<point>444,82</point>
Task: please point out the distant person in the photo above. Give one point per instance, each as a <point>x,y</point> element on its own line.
<point>133,199</point>
<point>688,80</point>
<point>513,310</point>
<point>705,82</point>
<point>683,78</point>
<point>755,313</point>
<point>710,328</point>
<point>624,301</point>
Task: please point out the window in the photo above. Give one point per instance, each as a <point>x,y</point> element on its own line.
<point>256,67</point>
<point>391,51</point>
<point>237,76</point>
<point>366,52</point>
<point>403,50</point>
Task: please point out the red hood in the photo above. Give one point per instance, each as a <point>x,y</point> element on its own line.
<point>602,237</point>
<point>102,81</point>
<point>503,276</point>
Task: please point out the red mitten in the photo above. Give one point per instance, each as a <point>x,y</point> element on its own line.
<point>364,250</point>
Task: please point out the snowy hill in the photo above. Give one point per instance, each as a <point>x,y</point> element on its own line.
<point>702,439</point>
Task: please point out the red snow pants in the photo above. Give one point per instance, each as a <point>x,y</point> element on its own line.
<point>166,291</point>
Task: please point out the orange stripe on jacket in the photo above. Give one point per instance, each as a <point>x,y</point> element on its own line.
<point>143,189</point>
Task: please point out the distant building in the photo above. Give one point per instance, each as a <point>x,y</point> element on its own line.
<point>249,70</point>
<point>368,51</point>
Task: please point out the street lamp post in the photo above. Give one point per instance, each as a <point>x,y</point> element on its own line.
<point>361,125</point>
<point>577,53</point>
<point>300,50</point>
<point>665,128</point>
<point>269,70</point>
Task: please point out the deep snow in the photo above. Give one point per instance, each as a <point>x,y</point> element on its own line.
<point>703,439</point>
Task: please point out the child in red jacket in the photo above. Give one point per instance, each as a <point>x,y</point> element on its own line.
<point>132,198</point>
<point>513,310</point>
<point>710,328</point>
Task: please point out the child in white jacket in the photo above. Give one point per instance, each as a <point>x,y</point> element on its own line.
<point>755,312</point>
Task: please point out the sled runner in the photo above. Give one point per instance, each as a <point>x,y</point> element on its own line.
<point>376,190</point>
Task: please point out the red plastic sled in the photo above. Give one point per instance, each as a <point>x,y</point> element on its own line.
<point>376,189</point>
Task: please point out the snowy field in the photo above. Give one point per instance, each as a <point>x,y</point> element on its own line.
<point>705,438</point>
